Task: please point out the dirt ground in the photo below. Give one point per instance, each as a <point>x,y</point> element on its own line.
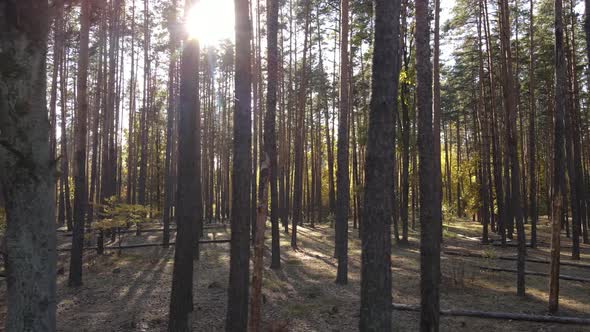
<point>130,290</point>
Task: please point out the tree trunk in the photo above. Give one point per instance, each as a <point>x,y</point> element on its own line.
<point>532,140</point>
<point>558,158</point>
<point>342,172</point>
<point>436,111</point>
<point>270,141</point>
<point>80,198</point>
<point>299,135</point>
<point>267,175</point>
<point>376,297</point>
<point>237,303</point>
<point>515,210</point>
<point>27,170</point>
<point>168,170</point>
<point>430,216</point>
<point>189,208</point>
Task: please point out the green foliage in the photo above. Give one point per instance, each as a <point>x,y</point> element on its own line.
<point>489,253</point>
<point>447,234</point>
<point>113,214</point>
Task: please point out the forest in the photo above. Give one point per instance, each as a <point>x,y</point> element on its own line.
<point>294,165</point>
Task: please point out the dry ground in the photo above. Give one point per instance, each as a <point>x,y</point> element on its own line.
<point>129,291</point>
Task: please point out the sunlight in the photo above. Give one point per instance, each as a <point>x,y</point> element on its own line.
<point>211,21</point>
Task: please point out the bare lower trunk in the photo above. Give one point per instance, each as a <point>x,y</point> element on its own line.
<point>27,170</point>
<point>376,296</point>
<point>558,159</point>
<point>430,216</point>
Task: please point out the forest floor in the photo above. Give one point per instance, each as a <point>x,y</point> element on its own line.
<point>130,290</point>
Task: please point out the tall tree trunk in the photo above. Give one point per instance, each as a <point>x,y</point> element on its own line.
<point>436,111</point>
<point>58,37</point>
<point>65,206</point>
<point>430,216</point>
<point>189,208</point>
<point>532,140</point>
<point>558,158</point>
<point>299,134</point>
<point>405,105</point>
<point>376,297</point>
<point>496,154</point>
<point>267,175</point>
<point>482,117</point>
<point>237,297</point>
<point>131,166</point>
<point>342,172</point>
<point>27,170</point>
<point>80,186</point>
<point>143,127</point>
<point>515,210</point>
<point>270,141</point>
<point>168,186</point>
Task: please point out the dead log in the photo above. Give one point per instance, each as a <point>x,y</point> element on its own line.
<point>501,315</point>
<point>149,230</point>
<point>532,273</point>
<point>508,258</point>
<point>144,245</point>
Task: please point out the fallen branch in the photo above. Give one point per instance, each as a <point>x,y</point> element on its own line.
<point>501,315</point>
<point>144,245</point>
<point>514,244</point>
<point>507,258</point>
<point>532,273</point>
<point>148,230</point>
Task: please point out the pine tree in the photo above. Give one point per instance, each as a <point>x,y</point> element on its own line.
<point>27,170</point>
<point>376,296</point>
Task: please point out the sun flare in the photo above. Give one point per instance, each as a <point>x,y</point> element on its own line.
<point>211,21</point>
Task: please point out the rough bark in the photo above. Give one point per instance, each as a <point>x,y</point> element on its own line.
<point>189,208</point>
<point>376,296</point>
<point>515,209</point>
<point>270,142</point>
<point>342,172</point>
<point>436,111</point>
<point>27,171</point>
<point>80,186</point>
<point>237,303</point>
<point>558,157</point>
<point>299,134</point>
<point>430,216</point>
<point>168,169</point>
<point>532,140</point>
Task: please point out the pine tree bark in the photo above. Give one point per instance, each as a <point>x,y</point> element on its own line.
<point>237,297</point>
<point>376,295</point>
<point>80,186</point>
<point>270,141</point>
<point>558,157</point>
<point>267,175</point>
<point>342,172</point>
<point>436,111</point>
<point>27,170</point>
<point>299,133</point>
<point>430,216</point>
<point>189,208</point>
<point>168,186</point>
<point>532,139</point>
<point>515,209</point>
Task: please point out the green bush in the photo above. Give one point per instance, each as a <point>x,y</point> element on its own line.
<point>113,214</point>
